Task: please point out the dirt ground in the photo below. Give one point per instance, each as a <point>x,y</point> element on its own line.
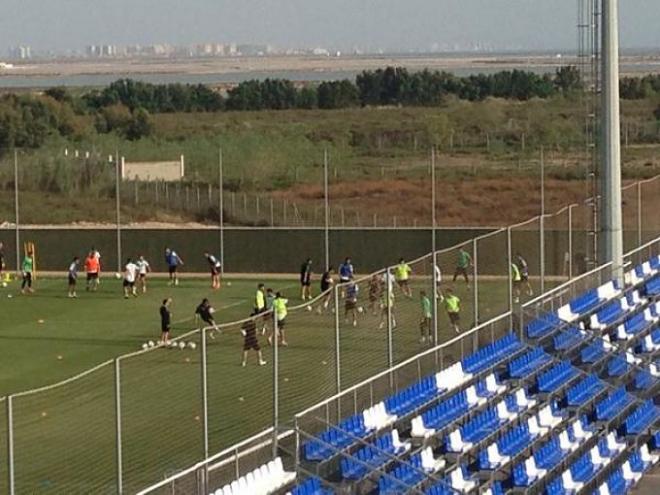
<point>485,202</point>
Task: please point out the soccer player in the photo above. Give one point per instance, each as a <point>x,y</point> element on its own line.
<point>453,307</point>
<point>425,322</point>
<point>215,265</point>
<point>260,305</point>
<point>326,284</point>
<point>97,254</point>
<point>205,312</point>
<point>516,280</point>
<point>143,269</point>
<point>173,261</point>
<point>438,282</point>
<point>73,276</point>
<point>165,321</point>
<point>346,271</point>
<point>281,310</point>
<point>387,302</point>
<point>270,301</point>
<point>250,341</point>
<point>27,267</point>
<point>524,273</point>
<point>463,263</point>
<point>402,274</point>
<point>92,268</point>
<point>306,280</point>
<point>350,303</point>
<point>130,274</point>
<point>375,293</point>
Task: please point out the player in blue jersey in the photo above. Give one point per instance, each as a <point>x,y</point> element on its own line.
<point>173,261</point>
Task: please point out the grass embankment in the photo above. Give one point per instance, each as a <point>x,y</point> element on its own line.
<point>283,151</point>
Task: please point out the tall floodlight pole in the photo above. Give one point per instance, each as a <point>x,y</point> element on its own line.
<point>221,213</point>
<point>327,209</point>
<point>611,215</point>
<point>16,214</point>
<point>434,250</point>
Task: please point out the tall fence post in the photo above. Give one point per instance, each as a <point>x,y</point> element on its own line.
<point>542,252</point>
<point>276,382</point>
<point>205,390</point>
<point>570,241</point>
<point>10,444</point>
<point>120,483</point>
<point>508,268</point>
<point>337,349</point>
<point>390,350</point>
<point>475,283</point>
<point>639,214</point>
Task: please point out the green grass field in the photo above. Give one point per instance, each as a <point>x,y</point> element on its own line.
<point>64,437</point>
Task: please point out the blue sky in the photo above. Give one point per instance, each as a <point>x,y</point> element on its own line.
<point>388,24</point>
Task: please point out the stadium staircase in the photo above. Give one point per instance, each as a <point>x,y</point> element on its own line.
<point>569,409</point>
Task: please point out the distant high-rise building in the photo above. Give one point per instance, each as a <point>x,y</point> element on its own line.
<point>21,52</point>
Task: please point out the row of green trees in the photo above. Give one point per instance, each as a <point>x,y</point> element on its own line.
<point>390,86</point>
<point>124,107</point>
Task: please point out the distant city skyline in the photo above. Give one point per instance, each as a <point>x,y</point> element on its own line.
<point>370,25</point>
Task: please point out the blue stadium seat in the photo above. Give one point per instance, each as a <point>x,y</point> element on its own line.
<point>595,351</point>
<point>584,390</point>
<point>542,325</point>
<point>373,456</point>
<point>402,477</point>
<point>641,418</point>
<point>490,354</point>
<point>568,338</point>
<point>617,366</point>
<point>644,380</point>
<point>610,313</point>
<point>335,439</point>
<point>556,376</point>
<point>608,408</point>
<point>528,362</point>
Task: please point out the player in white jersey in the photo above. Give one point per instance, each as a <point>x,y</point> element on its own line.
<point>130,274</point>
<point>143,269</point>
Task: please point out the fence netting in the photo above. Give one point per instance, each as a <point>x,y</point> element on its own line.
<point>161,412</point>
<point>493,275</point>
<point>55,451</point>
<point>240,398</point>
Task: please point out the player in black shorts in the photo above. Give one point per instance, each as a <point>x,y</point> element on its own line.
<point>306,279</point>
<point>165,321</point>
<point>326,284</point>
<point>205,312</point>
<point>250,341</point>
<point>73,276</point>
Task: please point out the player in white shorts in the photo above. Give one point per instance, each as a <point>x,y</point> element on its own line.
<point>143,269</point>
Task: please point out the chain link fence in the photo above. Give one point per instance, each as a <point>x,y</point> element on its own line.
<point>126,424</point>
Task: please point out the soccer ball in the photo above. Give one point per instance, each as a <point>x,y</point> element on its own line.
<point>192,345</point>
<point>151,344</point>
<point>4,284</point>
<point>117,275</point>
<point>228,284</point>
<point>212,310</point>
<point>360,309</point>
<point>309,308</point>
<point>145,347</point>
<point>182,345</point>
